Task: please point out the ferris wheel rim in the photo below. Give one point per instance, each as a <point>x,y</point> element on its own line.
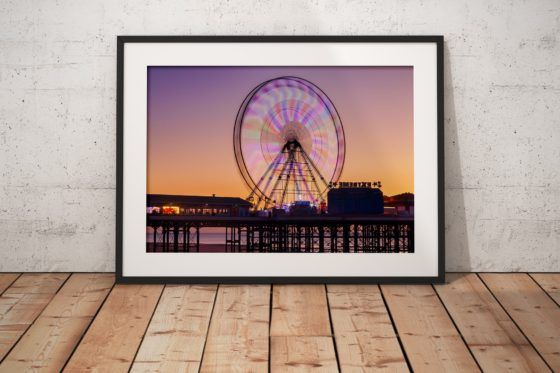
<point>237,139</point>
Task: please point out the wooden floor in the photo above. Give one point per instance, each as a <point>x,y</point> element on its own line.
<point>82,321</point>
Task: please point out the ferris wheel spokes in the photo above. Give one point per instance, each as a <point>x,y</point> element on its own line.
<point>289,142</point>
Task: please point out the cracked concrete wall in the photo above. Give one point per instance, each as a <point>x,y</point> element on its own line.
<point>57,117</point>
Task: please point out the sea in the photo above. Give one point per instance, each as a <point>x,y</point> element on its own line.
<point>210,235</point>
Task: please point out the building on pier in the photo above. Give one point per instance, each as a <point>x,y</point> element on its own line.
<point>196,205</point>
<point>400,204</point>
<point>355,201</point>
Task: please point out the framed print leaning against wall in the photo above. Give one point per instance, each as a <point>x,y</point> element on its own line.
<point>280,159</point>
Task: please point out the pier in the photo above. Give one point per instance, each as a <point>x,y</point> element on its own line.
<point>317,234</point>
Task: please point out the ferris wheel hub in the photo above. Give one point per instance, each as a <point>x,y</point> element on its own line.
<point>292,145</point>
<point>292,131</point>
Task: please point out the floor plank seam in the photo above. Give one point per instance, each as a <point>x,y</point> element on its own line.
<point>395,330</point>
<point>543,289</point>
<point>515,323</point>
<point>457,328</point>
<point>146,330</point>
<point>87,329</point>
<point>11,283</point>
<point>210,318</point>
<point>33,322</point>
<point>332,329</point>
<point>271,299</point>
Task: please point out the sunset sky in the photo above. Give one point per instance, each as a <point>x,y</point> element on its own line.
<point>192,110</point>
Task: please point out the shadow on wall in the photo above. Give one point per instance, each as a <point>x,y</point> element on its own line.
<point>457,255</point>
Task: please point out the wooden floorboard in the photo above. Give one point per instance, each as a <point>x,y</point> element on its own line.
<point>176,335</point>
<point>300,310</point>
<point>550,282</point>
<point>494,339</point>
<point>49,342</point>
<point>536,314</point>
<point>238,334</point>
<point>6,279</point>
<point>302,354</point>
<point>112,340</point>
<point>430,340</point>
<point>364,335</point>
<point>83,322</point>
<point>300,330</point>
<point>22,303</point>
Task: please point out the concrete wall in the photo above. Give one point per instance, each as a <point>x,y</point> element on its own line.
<point>57,117</point>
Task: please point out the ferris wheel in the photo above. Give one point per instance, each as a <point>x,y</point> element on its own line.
<point>289,143</point>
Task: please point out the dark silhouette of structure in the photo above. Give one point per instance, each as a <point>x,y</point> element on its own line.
<point>355,201</point>
<point>317,234</point>
<point>403,202</point>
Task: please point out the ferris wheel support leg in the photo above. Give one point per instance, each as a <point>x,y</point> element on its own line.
<point>267,185</point>
<point>305,184</point>
<point>291,161</point>
<point>314,167</point>
<point>281,173</point>
<point>268,169</point>
<point>295,180</point>
<point>313,178</point>
<point>272,167</point>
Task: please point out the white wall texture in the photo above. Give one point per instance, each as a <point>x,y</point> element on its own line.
<point>57,117</point>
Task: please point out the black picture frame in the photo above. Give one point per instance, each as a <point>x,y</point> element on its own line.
<point>438,40</point>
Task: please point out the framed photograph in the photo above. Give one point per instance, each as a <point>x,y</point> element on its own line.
<point>280,159</point>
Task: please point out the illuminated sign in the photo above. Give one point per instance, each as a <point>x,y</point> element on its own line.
<point>170,210</point>
<point>153,210</point>
<point>355,184</point>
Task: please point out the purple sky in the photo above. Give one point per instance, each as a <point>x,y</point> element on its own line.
<point>192,110</point>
